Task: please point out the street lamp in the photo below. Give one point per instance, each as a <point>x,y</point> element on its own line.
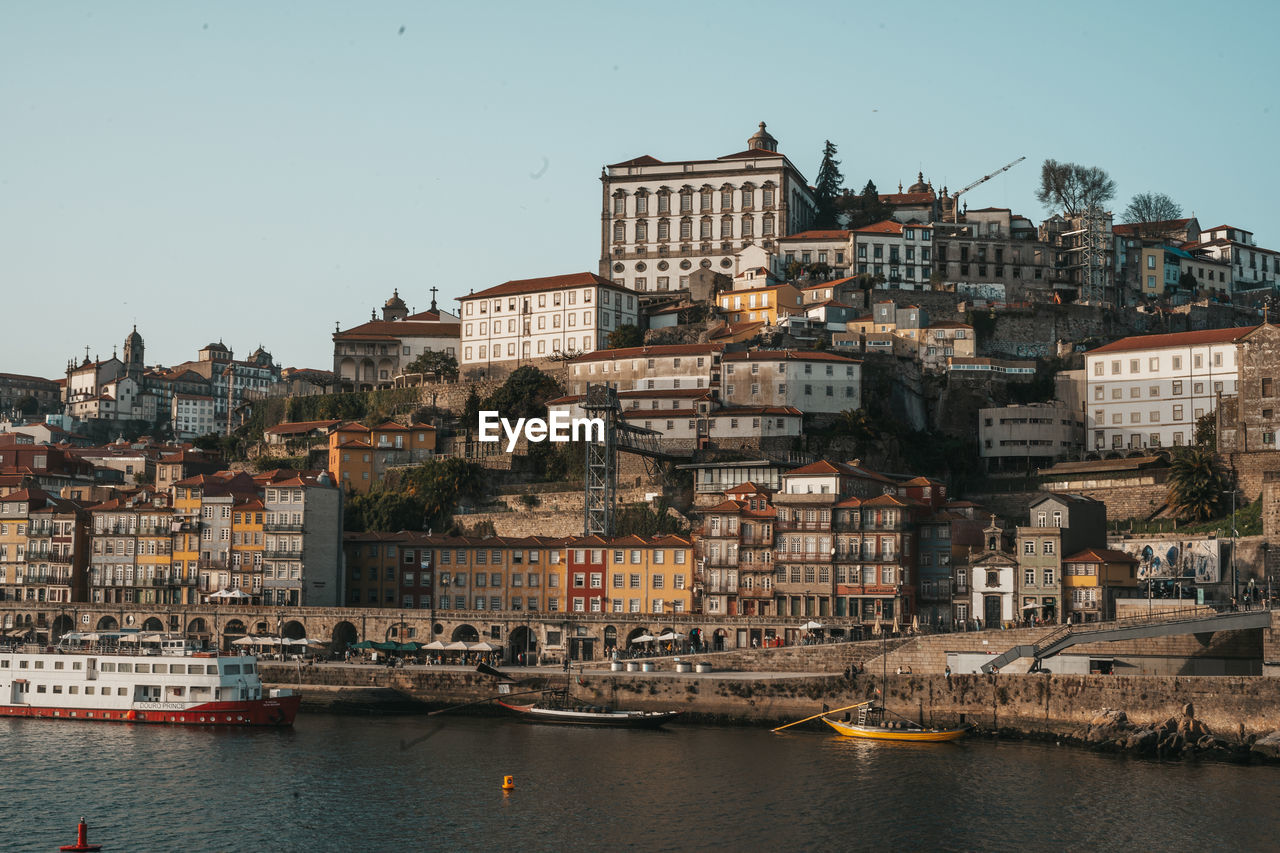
<point>1235,591</point>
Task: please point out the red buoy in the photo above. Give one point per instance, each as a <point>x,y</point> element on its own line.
<point>82,844</point>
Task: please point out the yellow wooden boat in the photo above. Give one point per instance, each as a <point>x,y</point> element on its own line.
<point>907,733</point>
<point>871,725</point>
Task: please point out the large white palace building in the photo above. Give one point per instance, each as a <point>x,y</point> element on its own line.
<point>660,221</point>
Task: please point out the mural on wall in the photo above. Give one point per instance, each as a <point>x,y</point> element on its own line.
<point>1175,558</point>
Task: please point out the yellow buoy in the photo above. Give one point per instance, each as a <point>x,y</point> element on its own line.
<point>508,783</point>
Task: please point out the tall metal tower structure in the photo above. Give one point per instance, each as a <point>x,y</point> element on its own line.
<point>1093,241</point>
<point>601,401</point>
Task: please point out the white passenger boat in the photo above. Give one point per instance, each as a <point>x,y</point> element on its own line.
<point>119,677</point>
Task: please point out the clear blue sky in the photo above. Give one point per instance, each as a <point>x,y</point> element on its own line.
<point>253,172</point>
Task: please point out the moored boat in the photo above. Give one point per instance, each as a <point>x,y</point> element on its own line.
<point>156,679</point>
<point>589,716</point>
<point>872,725</point>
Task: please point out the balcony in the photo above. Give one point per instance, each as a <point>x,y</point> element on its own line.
<point>281,527</point>
<point>802,557</point>
<point>282,555</point>
<point>212,564</point>
<point>721,586</point>
<point>755,594</point>
<point>824,526</point>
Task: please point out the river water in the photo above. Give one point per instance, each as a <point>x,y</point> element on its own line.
<point>411,783</point>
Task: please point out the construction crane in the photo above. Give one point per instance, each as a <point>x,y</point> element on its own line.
<point>955,213</point>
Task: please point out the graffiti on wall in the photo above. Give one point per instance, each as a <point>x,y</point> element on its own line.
<point>1175,558</point>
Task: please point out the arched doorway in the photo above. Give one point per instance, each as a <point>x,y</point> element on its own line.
<point>152,624</point>
<point>523,646</point>
<point>718,642</point>
<point>197,628</point>
<point>465,634</point>
<point>231,631</point>
<point>638,632</point>
<point>108,623</point>
<point>61,625</point>
<point>293,630</point>
<point>344,636</point>
<point>261,628</point>
<point>610,638</point>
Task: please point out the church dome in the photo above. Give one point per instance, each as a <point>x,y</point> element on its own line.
<point>395,301</point>
<point>919,186</point>
<point>134,338</point>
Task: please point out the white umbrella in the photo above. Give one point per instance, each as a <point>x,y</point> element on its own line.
<point>811,626</point>
<point>220,594</point>
<point>236,595</point>
<point>130,638</point>
<point>434,645</point>
<point>459,646</point>
<point>305,641</point>
<point>483,647</point>
<point>669,637</point>
<point>267,641</point>
<point>643,638</point>
<point>244,641</point>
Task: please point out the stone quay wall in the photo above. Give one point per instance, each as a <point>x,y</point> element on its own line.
<point>1232,707</point>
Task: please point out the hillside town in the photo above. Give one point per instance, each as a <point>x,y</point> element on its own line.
<point>884,409</point>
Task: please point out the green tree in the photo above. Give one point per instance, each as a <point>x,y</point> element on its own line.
<point>865,208</point>
<point>1207,430</point>
<point>827,187</point>
<point>524,394</point>
<point>1188,283</point>
<point>647,520</point>
<point>627,335</point>
<point>439,363</point>
<point>27,405</point>
<point>1196,484</point>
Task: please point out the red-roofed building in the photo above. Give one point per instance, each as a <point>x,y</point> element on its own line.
<point>1148,391</point>
<point>1252,267</point>
<point>661,220</point>
<point>671,367</point>
<point>372,354</point>
<point>826,252</point>
<point>532,321</point>
<point>901,253</point>
<point>735,554</point>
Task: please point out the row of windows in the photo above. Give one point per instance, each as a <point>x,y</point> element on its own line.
<point>747,197</point>
<point>540,324</point>
<point>1175,389</point>
<point>495,352</point>
<point>1153,363</point>
<point>706,229</point>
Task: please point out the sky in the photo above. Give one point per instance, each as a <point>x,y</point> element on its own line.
<point>255,172</point>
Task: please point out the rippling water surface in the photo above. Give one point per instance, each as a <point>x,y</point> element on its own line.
<point>347,783</point>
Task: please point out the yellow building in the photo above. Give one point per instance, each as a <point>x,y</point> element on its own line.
<point>155,556</point>
<point>1091,579</point>
<point>768,304</point>
<point>649,575</point>
<point>185,551</point>
<point>247,540</point>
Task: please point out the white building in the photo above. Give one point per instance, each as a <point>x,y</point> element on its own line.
<point>901,252</point>
<point>372,354</point>
<point>656,368</point>
<point>528,321</point>
<point>992,593</point>
<point>833,247</point>
<point>1251,267</point>
<point>810,381</point>
<point>192,415</point>
<point>660,220</point>
<point>1148,391</point>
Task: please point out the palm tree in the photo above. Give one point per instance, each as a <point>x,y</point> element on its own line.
<point>1196,484</point>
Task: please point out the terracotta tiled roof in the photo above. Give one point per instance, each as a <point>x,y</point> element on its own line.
<point>750,152</point>
<point>534,285</point>
<point>887,226</point>
<point>642,160</point>
<point>786,355</point>
<point>649,352</point>
<point>397,329</point>
<point>1100,555</point>
<point>908,198</point>
<point>833,283</point>
<point>1175,339</point>
<point>737,328</point>
<point>819,234</point>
